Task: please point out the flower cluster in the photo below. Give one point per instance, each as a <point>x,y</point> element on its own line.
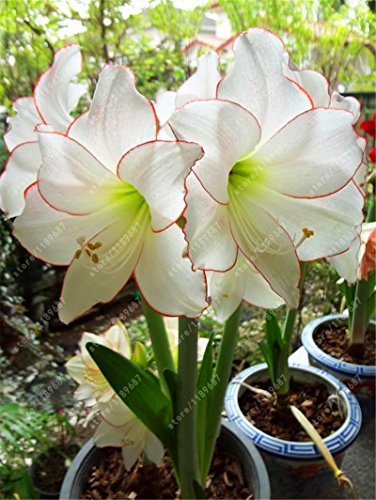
<point>266,154</point>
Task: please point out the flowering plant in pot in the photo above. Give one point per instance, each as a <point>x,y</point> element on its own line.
<point>344,344</point>
<point>221,210</point>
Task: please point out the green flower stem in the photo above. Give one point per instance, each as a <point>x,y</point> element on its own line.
<point>359,321</point>
<point>217,396</point>
<point>288,331</point>
<point>159,340</point>
<point>186,407</point>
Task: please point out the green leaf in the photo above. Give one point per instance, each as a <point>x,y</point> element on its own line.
<point>273,331</point>
<point>23,487</point>
<point>138,389</point>
<point>268,355</point>
<point>203,404</point>
<point>199,492</point>
<point>171,378</point>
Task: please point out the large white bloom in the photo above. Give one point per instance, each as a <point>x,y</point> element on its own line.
<point>121,428</point>
<point>54,98</point>
<point>93,386</point>
<point>276,170</point>
<point>106,201</point>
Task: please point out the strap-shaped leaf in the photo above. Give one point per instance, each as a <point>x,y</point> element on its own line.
<point>203,400</point>
<point>138,389</point>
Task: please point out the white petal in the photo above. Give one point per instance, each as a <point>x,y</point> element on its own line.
<point>337,101</point>
<point>116,413</point>
<point>315,154</point>
<point>76,368</point>
<point>107,435</point>
<point>226,131</point>
<point>23,123</point>
<point>203,83</point>
<point>154,449</point>
<point>51,235</point>
<point>20,171</point>
<point>166,279</point>
<point>347,263</point>
<point>242,282</point>
<point>86,358</point>
<point>165,133</point>
<point>133,445</point>
<point>119,118</point>
<point>164,165</point>
<point>164,105</point>
<point>226,291</point>
<point>256,81</point>
<point>266,244</point>
<point>55,95</point>
<point>210,243</point>
<point>71,179</point>
<point>87,283</point>
<point>313,82</point>
<point>333,219</point>
<point>117,336</point>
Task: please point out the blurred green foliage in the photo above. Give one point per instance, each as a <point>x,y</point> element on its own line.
<point>334,37</point>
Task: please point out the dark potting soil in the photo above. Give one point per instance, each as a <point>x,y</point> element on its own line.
<point>50,468</point>
<point>335,342</point>
<point>274,418</point>
<point>110,480</point>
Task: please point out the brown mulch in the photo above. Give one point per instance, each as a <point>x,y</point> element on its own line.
<point>273,416</point>
<point>335,342</point>
<point>110,480</point>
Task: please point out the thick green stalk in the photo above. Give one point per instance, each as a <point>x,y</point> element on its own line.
<point>359,313</point>
<point>159,340</point>
<point>186,407</point>
<point>222,377</point>
<point>282,371</point>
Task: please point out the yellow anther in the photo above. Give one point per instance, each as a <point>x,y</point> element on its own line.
<point>307,232</point>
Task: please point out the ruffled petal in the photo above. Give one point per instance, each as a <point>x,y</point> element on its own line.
<point>158,170</point>
<point>20,171</point>
<point>119,118</point>
<point>203,83</point>
<point>22,124</point>
<point>257,82</point>
<point>55,95</point>
<point>337,101</point>
<point>226,131</point>
<point>165,277</point>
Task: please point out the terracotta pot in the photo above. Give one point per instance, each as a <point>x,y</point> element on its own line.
<point>296,469</point>
<point>230,440</point>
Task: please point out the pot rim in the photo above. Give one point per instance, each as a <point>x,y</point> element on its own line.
<point>259,474</point>
<point>337,442</point>
<point>343,367</point>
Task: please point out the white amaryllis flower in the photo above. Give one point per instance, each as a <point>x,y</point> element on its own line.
<point>93,386</point>
<point>106,201</point>
<point>54,98</point>
<point>360,259</point>
<point>275,184</point>
<point>121,428</point>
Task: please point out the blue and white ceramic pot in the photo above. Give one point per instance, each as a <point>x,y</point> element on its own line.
<point>296,469</point>
<point>360,379</point>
